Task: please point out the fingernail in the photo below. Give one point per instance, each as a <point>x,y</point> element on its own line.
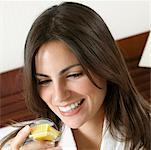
<point>50,143</point>
<point>26,128</point>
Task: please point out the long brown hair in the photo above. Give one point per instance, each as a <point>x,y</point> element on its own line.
<point>92,43</point>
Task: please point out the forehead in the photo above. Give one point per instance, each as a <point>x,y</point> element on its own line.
<point>56,48</point>
<point>55,54</point>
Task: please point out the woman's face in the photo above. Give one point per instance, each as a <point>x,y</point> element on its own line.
<point>64,86</point>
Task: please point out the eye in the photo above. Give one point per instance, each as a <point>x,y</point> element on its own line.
<point>75,75</point>
<point>43,82</point>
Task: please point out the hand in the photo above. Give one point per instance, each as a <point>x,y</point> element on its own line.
<point>18,142</point>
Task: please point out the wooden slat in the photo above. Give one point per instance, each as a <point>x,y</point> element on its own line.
<point>133,46</point>
<point>11,82</point>
<point>13,108</point>
<point>132,49</point>
<point>15,116</point>
<point>12,99</point>
<point>138,71</point>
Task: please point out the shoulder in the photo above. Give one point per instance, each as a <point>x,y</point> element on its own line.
<point>108,141</point>
<point>112,143</point>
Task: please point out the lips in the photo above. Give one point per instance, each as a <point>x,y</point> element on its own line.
<point>71,107</point>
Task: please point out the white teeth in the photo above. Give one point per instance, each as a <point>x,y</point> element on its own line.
<point>70,107</point>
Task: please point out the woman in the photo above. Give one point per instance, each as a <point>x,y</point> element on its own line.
<point>75,75</point>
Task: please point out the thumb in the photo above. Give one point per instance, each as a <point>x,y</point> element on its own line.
<point>20,138</point>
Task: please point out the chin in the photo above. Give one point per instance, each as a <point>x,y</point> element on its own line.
<point>73,125</point>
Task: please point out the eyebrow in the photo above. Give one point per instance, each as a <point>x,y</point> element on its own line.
<point>61,72</point>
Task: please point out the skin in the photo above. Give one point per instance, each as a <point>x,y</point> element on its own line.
<point>61,89</point>
<point>61,82</point>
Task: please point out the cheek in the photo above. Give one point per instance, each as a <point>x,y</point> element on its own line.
<point>44,93</point>
<point>86,87</point>
<point>95,95</point>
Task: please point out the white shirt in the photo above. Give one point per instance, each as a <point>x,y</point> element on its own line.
<point>67,141</point>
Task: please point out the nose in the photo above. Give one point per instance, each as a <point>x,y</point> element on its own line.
<point>60,93</point>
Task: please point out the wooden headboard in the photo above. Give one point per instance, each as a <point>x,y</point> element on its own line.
<point>12,105</point>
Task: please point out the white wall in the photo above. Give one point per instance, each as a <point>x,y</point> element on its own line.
<point>124,18</point>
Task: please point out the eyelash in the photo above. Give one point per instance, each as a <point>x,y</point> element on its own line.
<point>43,82</point>
<point>75,75</point>
<point>46,82</point>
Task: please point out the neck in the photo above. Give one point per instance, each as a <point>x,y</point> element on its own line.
<point>89,135</point>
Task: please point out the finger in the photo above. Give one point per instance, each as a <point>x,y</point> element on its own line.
<point>20,138</point>
<point>38,145</point>
<point>55,148</point>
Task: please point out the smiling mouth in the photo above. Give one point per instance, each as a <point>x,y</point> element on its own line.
<point>71,107</point>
